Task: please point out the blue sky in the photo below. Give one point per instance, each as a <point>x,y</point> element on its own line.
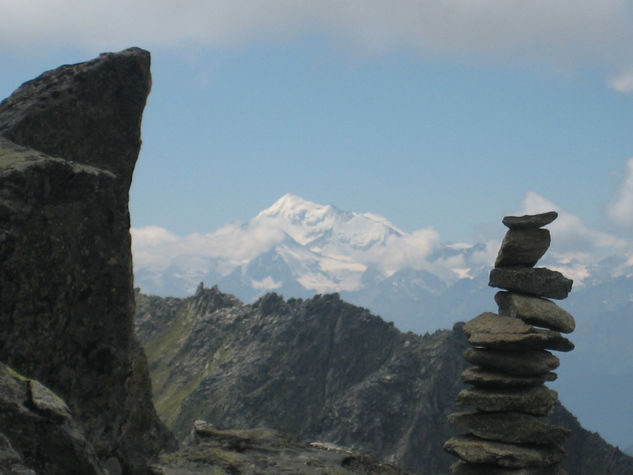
<point>442,114</point>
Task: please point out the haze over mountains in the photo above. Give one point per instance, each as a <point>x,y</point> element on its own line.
<point>298,248</point>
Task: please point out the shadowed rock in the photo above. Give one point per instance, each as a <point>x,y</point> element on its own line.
<point>535,281</point>
<point>476,450</point>
<point>522,363</point>
<point>535,310</point>
<point>530,220</point>
<point>66,294</point>
<point>510,427</point>
<point>538,400</point>
<point>493,379</point>
<point>463,468</point>
<point>523,247</point>
<point>37,431</point>
<point>507,333</point>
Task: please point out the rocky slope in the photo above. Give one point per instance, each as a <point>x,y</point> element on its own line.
<point>325,370</point>
<point>263,451</point>
<point>69,140</point>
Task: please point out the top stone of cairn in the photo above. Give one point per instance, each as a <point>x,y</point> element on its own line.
<point>530,221</point>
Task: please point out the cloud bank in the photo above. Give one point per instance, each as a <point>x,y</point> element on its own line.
<point>340,258</point>
<point>620,210</point>
<point>575,247</point>
<point>559,33</point>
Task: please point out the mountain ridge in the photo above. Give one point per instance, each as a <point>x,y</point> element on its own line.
<point>323,369</point>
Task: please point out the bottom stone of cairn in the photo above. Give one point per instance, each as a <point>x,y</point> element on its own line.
<point>481,451</point>
<point>464,468</point>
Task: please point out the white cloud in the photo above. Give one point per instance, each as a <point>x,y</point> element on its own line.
<point>569,232</point>
<point>621,209</point>
<point>575,247</point>
<point>338,263</point>
<point>151,236</point>
<point>398,252</point>
<point>622,82</point>
<point>560,33</point>
<point>267,283</point>
<point>156,248</point>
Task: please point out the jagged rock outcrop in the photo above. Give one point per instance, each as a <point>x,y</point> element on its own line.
<point>505,431</point>
<point>327,371</point>
<point>69,140</point>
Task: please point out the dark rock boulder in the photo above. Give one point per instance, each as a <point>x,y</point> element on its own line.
<point>481,451</point>
<point>38,433</point>
<point>507,333</point>
<point>523,247</point>
<point>535,310</point>
<point>517,363</point>
<point>494,379</point>
<point>537,400</point>
<point>530,221</point>
<point>537,281</point>
<point>463,468</point>
<point>511,427</point>
<point>66,294</point>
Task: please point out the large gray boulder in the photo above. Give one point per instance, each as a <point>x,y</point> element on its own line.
<point>69,140</point>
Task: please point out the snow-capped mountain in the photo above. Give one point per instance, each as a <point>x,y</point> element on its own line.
<point>298,248</point>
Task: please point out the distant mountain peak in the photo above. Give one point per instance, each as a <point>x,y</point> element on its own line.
<point>306,221</point>
<point>297,210</point>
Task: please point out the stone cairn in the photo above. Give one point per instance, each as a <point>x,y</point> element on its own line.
<point>506,434</point>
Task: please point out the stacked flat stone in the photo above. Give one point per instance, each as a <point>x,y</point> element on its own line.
<point>505,430</point>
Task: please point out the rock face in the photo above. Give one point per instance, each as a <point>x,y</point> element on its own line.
<point>69,140</point>
<point>504,432</point>
<point>331,372</point>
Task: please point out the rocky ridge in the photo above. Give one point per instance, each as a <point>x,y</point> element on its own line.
<point>263,451</point>
<point>326,371</point>
<point>69,140</point>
